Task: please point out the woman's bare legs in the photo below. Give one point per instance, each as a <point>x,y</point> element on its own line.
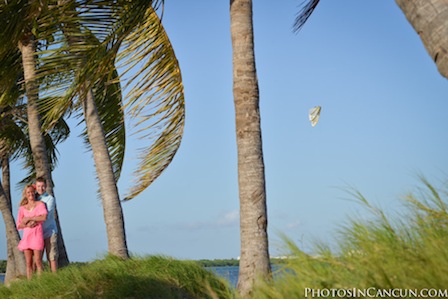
<point>29,262</point>
<point>38,260</point>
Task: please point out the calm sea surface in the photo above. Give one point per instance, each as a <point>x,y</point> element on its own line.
<point>228,272</point>
<point>231,273</point>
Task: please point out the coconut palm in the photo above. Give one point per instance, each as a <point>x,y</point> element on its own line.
<point>26,42</point>
<point>85,40</point>
<point>254,259</point>
<point>124,33</point>
<point>129,34</point>
<point>428,18</point>
<point>19,32</point>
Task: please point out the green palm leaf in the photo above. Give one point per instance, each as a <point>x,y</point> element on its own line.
<point>129,34</point>
<point>155,98</point>
<point>306,9</point>
<point>15,141</point>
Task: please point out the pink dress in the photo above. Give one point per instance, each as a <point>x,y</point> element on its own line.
<point>33,238</point>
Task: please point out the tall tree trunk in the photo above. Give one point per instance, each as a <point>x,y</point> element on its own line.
<point>27,47</point>
<point>254,259</point>
<point>113,213</point>
<point>6,177</point>
<point>112,210</point>
<point>430,20</point>
<point>16,265</point>
<point>62,251</point>
<point>12,270</point>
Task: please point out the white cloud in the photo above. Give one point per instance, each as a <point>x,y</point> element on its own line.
<point>228,219</point>
<point>293,225</point>
<point>224,220</point>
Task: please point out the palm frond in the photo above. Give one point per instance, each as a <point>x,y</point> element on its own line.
<point>58,133</point>
<point>103,34</point>
<point>155,98</point>
<point>66,74</point>
<point>13,19</point>
<point>132,37</point>
<point>306,9</point>
<point>12,136</point>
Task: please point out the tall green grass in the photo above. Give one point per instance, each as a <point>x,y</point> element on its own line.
<point>407,251</point>
<point>147,277</point>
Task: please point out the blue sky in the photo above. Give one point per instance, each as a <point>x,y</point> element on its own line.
<point>383,122</point>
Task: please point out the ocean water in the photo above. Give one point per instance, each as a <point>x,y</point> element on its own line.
<point>230,273</point>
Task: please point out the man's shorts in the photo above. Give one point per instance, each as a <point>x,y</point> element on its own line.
<point>51,246</point>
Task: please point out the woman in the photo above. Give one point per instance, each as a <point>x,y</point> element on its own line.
<point>31,215</point>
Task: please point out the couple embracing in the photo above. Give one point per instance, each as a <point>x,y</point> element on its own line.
<point>37,220</point>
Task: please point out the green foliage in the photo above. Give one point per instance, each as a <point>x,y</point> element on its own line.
<point>231,262</point>
<point>406,252</point>
<point>147,277</point>
<point>2,266</point>
<point>218,262</point>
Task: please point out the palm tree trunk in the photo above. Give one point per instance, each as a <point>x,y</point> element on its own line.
<point>62,251</point>
<point>37,142</point>
<point>6,178</point>
<point>430,20</point>
<point>12,270</point>
<point>254,259</point>
<point>28,49</point>
<point>112,210</point>
<point>113,213</point>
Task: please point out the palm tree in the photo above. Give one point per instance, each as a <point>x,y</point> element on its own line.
<point>27,46</point>
<point>125,29</point>
<point>254,260</point>
<point>428,18</point>
<point>92,96</point>
<point>253,216</point>
<point>130,36</point>
<point>18,19</point>
<point>126,32</point>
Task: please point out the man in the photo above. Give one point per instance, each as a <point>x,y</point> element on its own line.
<point>49,226</point>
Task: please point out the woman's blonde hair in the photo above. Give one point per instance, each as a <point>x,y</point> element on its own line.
<point>24,200</point>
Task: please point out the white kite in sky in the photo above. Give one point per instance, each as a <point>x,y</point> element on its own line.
<point>314,115</point>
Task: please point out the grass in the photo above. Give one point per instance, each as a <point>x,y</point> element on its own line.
<point>147,277</point>
<point>406,252</point>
